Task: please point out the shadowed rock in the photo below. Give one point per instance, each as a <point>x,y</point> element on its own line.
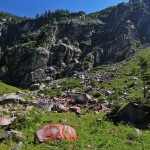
<point>136,114</point>
<point>83,98</point>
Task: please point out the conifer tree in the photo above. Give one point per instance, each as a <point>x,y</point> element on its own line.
<point>145,76</point>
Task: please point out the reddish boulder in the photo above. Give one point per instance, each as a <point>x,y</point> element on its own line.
<point>5,121</point>
<point>56,132</point>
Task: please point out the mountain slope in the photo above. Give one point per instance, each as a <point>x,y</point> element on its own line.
<point>61,44</point>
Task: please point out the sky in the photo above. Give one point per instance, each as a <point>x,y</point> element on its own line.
<point>30,8</point>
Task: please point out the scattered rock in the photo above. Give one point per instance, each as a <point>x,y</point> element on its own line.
<point>135,78</point>
<point>47,79</point>
<point>35,86</point>
<point>98,120</point>
<point>63,120</point>
<point>138,131</point>
<point>19,113</point>
<point>45,105</point>
<point>18,146</point>
<point>60,108</point>
<point>96,112</point>
<point>15,134</point>
<point>42,86</point>
<point>107,93</point>
<point>75,109</point>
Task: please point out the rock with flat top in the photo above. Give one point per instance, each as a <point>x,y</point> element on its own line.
<point>11,98</point>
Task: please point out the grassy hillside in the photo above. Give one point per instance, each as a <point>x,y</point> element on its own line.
<point>126,78</point>
<point>4,89</point>
<point>94,131</point>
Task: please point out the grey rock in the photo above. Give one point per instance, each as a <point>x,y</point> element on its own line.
<point>18,146</point>
<point>12,98</point>
<point>46,105</point>
<point>35,86</point>
<point>83,98</point>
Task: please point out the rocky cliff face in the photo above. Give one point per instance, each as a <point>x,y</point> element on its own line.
<point>34,50</point>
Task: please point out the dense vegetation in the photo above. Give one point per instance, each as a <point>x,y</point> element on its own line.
<point>12,18</point>
<point>58,15</point>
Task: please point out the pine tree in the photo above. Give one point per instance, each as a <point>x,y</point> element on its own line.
<point>49,14</point>
<point>134,1</point>
<point>145,76</point>
<point>37,16</point>
<point>45,14</point>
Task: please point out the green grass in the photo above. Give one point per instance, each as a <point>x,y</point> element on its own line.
<point>92,134</point>
<point>5,89</point>
<point>124,80</point>
<point>144,53</point>
<point>65,84</point>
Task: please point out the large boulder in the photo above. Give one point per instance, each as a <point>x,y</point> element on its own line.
<point>136,114</point>
<point>11,98</point>
<point>56,132</point>
<point>83,98</point>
